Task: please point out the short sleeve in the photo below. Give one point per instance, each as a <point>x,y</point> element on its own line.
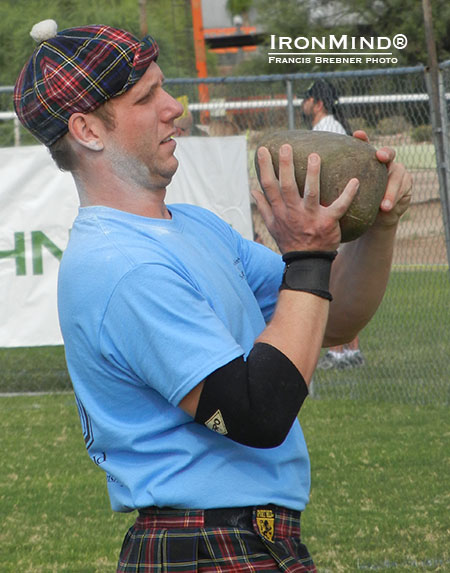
<point>264,271</point>
<point>159,328</point>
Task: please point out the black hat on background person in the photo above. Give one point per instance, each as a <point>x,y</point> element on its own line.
<point>324,91</point>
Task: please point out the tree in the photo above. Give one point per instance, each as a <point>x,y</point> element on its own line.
<point>169,22</point>
<point>235,7</point>
<point>391,17</point>
<point>17,17</point>
<point>294,18</point>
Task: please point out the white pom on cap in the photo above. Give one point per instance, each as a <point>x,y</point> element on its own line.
<point>44,30</point>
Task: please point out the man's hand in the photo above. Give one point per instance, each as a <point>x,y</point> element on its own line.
<point>397,196</point>
<point>299,223</point>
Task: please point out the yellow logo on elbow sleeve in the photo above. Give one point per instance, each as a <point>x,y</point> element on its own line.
<point>216,423</point>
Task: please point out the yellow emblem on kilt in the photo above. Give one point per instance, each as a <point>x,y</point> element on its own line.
<point>265,520</point>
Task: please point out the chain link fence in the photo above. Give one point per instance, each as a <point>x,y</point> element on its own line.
<point>405,346</point>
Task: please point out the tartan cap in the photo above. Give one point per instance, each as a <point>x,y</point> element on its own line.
<point>76,70</point>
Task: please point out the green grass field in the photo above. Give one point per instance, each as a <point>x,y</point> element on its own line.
<point>379,439</point>
<point>416,155</point>
<point>406,345</point>
<point>379,489</point>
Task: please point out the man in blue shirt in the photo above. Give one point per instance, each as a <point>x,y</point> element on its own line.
<point>191,349</point>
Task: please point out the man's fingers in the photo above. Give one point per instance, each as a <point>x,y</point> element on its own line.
<point>385,154</point>
<point>267,177</point>
<point>281,190</point>
<point>360,134</point>
<point>311,192</point>
<point>288,184</point>
<point>399,184</point>
<point>342,203</point>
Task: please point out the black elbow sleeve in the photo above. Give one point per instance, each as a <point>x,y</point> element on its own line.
<point>253,402</point>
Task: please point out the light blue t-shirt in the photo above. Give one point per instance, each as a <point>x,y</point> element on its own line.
<point>148,308</point>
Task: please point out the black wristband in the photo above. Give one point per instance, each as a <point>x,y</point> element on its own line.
<point>308,271</point>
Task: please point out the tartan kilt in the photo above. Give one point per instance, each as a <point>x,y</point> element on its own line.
<point>165,540</point>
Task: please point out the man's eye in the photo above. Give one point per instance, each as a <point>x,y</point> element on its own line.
<point>146,98</point>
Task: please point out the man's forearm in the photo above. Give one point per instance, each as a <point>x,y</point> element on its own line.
<point>297,329</point>
<point>358,282</point>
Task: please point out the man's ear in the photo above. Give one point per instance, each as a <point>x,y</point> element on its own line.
<point>84,129</point>
<point>319,106</point>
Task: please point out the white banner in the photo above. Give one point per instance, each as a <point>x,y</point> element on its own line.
<point>38,204</point>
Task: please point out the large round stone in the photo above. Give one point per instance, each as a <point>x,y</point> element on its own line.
<point>342,158</point>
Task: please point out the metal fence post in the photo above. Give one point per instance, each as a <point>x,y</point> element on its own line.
<point>290,104</point>
<point>439,123</point>
<point>16,132</point>
<point>446,162</point>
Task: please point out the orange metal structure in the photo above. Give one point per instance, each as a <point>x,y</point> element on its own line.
<point>200,51</point>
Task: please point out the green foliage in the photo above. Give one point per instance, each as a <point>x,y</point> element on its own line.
<point>391,17</point>
<point>283,17</point>
<point>19,16</point>
<point>392,125</point>
<point>295,18</point>
<point>422,133</point>
<point>169,24</point>
<point>235,7</point>
<point>360,123</point>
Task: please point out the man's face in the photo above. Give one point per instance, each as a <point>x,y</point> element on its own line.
<point>140,147</point>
